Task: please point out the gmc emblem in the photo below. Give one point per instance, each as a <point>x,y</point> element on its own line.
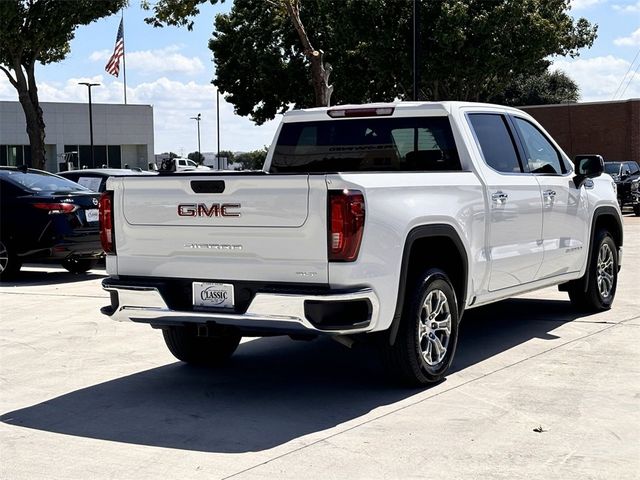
<point>204,210</point>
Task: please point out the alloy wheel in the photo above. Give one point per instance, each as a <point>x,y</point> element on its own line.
<point>434,327</point>
<point>605,273</point>
<point>4,257</point>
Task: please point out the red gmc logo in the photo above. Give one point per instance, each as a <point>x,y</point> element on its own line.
<point>204,210</point>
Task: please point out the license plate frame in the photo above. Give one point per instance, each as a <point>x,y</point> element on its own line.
<point>213,295</point>
<point>92,215</point>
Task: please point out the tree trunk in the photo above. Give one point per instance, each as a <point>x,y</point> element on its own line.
<point>27,90</point>
<point>319,74</point>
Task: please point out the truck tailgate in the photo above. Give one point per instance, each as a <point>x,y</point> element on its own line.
<point>227,227</point>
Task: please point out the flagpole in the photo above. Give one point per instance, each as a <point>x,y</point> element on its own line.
<point>124,61</point>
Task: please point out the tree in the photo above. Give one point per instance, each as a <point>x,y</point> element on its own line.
<point>40,31</point>
<point>196,157</point>
<point>170,155</point>
<point>228,154</point>
<point>470,49</point>
<point>253,160</point>
<point>547,88</point>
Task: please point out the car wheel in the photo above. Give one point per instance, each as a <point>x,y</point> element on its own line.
<point>636,210</point>
<point>185,344</point>
<point>9,263</point>
<point>602,273</point>
<point>79,265</point>
<point>428,332</point>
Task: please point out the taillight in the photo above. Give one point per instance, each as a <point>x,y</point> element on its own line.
<point>346,224</point>
<point>105,217</point>
<point>54,208</point>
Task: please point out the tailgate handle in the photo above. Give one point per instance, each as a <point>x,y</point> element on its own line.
<point>207,186</point>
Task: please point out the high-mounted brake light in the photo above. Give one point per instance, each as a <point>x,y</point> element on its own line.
<point>54,208</point>
<point>346,224</point>
<point>360,112</point>
<point>105,217</point>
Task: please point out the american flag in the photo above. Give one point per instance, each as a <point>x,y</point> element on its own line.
<point>113,65</point>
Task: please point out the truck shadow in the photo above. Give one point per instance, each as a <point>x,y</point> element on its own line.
<point>50,275</point>
<point>273,391</point>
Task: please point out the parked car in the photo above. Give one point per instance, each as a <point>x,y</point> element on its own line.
<point>181,165</point>
<point>96,178</point>
<point>382,221</point>
<point>46,217</point>
<point>625,174</point>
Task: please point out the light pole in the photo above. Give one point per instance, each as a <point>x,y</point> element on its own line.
<point>89,85</point>
<point>197,119</point>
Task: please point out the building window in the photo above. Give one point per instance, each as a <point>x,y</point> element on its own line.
<point>114,156</point>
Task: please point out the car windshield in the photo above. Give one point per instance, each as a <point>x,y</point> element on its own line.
<point>612,168</point>
<point>45,182</point>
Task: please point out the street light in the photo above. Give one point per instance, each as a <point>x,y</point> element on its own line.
<point>89,85</point>
<point>197,119</point>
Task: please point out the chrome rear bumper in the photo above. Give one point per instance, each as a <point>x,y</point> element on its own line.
<point>267,311</point>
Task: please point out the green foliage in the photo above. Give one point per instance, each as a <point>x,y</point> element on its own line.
<point>174,12</point>
<point>253,160</point>
<point>196,157</point>
<point>228,154</point>
<point>469,49</point>
<point>547,88</point>
<point>40,30</point>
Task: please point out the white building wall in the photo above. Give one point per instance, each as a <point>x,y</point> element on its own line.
<point>130,126</point>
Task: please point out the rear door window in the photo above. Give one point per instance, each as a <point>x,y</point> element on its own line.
<point>366,145</point>
<point>496,142</point>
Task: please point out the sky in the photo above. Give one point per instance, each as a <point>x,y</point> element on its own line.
<point>171,68</point>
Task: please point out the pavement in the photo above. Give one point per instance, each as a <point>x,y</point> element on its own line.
<point>536,391</point>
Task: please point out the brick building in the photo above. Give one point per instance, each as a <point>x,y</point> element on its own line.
<point>611,129</point>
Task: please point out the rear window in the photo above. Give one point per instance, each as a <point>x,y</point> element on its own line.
<point>366,145</point>
<point>44,182</point>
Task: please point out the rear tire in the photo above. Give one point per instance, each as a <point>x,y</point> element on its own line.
<point>602,274</point>
<point>185,344</point>
<point>428,331</point>
<point>9,263</point>
<point>79,265</point>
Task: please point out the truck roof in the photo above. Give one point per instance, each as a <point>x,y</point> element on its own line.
<point>428,108</point>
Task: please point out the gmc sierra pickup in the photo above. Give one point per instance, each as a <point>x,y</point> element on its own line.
<point>380,221</point>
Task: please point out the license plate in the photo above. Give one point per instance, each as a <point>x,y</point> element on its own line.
<point>91,215</point>
<point>218,295</point>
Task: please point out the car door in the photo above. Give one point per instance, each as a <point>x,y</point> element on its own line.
<point>514,238</point>
<point>565,214</point>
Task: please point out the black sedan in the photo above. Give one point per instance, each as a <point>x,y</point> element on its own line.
<point>96,178</point>
<point>46,217</point>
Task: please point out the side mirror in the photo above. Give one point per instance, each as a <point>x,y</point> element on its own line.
<point>588,166</point>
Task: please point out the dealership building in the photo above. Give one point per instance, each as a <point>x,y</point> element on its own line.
<point>122,135</point>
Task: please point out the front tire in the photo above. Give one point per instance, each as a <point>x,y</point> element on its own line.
<point>602,274</point>
<point>185,344</point>
<point>636,210</point>
<point>9,262</point>
<point>79,265</point>
<point>428,331</point>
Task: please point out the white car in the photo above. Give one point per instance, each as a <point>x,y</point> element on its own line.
<point>381,221</point>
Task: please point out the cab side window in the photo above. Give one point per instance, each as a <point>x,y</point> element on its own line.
<point>542,156</point>
<point>495,141</point>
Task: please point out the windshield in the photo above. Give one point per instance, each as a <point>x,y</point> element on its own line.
<point>45,182</point>
<point>612,168</point>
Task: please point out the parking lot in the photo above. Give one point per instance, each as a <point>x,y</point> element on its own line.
<point>537,391</point>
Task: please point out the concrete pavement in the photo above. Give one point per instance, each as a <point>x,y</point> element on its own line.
<point>85,397</point>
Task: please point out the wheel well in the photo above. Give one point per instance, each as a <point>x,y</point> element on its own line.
<point>609,223</point>
<point>439,252</point>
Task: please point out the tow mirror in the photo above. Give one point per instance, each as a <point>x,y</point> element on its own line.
<point>587,166</point>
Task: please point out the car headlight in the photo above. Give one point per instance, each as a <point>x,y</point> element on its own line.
<point>634,185</point>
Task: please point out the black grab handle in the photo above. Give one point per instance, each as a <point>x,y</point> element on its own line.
<point>207,186</point>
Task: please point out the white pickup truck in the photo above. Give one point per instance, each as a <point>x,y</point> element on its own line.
<point>380,221</point>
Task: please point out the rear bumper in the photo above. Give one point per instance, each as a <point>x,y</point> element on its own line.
<point>334,312</point>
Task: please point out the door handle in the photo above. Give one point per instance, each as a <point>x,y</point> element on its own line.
<point>499,197</point>
<point>549,197</point>
<point>549,193</point>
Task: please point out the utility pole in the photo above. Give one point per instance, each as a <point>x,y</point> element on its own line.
<point>197,119</point>
<point>416,48</point>
<point>89,85</point>
<point>218,126</point>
